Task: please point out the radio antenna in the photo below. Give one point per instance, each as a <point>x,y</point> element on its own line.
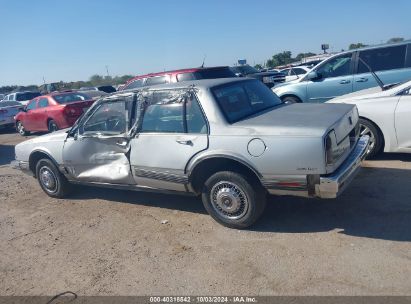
<point>205,56</point>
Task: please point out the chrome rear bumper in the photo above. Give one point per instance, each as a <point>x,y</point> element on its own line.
<point>331,185</point>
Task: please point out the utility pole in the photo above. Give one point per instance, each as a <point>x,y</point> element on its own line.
<point>107,70</point>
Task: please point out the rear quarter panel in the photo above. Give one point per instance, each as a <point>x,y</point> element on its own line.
<point>282,155</point>
<point>381,113</point>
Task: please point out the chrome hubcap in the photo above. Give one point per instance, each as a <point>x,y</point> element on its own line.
<point>53,127</point>
<point>20,127</point>
<point>48,179</point>
<point>364,130</point>
<point>229,200</point>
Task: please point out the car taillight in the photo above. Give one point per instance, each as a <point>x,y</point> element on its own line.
<point>71,111</point>
<point>3,111</point>
<point>329,155</point>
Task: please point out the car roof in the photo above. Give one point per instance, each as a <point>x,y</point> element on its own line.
<point>201,83</point>
<point>172,72</point>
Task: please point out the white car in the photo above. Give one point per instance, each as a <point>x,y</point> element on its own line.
<point>294,73</point>
<point>385,115</point>
<point>21,97</point>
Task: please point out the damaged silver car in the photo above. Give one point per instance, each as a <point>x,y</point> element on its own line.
<point>231,141</point>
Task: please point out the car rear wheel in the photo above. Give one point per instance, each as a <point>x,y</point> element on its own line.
<point>52,126</point>
<point>376,138</point>
<point>232,200</point>
<point>51,180</point>
<point>20,129</point>
<point>290,100</point>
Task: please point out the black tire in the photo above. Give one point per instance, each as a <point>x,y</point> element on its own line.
<point>376,138</point>
<point>232,190</point>
<point>52,126</point>
<point>290,99</point>
<point>51,180</point>
<point>20,129</point>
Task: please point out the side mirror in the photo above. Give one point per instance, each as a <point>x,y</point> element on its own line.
<point>239,75</point>
<point>313,75</point>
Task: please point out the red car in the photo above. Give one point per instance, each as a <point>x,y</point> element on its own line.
<point>52,112</point>
<point>178,76</point>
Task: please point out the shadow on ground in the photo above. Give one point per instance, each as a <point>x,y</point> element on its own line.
<point>376,205</point>
<point>6,154</point>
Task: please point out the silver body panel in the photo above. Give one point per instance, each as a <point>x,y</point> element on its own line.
<point>284,147</point>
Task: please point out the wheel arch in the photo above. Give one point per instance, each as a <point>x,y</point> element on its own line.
<point>203,168</point>
<point>383,136</point>
<point>291,95</point>
<point>35,156</point>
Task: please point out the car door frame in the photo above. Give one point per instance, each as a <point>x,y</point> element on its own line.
<point>109,167</point>
<point>151,173</point>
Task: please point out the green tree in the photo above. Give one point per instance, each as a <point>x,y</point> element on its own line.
<point>280,59</point>
<point>358,45</point>
<point>304,55</point>
<point>258,66</point>
<point>395,39</point>
<point>96,80</point>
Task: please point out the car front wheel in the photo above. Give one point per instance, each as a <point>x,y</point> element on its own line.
<point>232,200</point>
<point>51,180</point>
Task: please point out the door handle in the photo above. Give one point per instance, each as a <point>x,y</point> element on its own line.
<point>362,79</point>
<point>187,142</point>
<point>121,143</point>
<point>344,81</point>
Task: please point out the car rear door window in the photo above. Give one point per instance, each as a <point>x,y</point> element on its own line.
<point>135,84</point>
<point>169,112</point>
<point>163,114</point>
<point>196,122</point>
<point>382,59</point>
<point>185,77</point>
<point>43,102</point>
<point>157,80</point>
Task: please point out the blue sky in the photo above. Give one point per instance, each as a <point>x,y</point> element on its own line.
<point>74,39</point>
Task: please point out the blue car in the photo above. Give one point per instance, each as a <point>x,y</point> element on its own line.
<point>348,72</point>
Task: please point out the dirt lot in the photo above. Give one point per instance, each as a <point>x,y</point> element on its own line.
<point>111,242</point>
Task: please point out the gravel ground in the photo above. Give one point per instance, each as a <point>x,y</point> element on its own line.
<point>112,242</point>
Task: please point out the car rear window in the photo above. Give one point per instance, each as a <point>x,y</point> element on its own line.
<point>383,59</point>
<point>67,98</point>
<point>240,100</point>
<point>214,73</point>
<point>26,96</point>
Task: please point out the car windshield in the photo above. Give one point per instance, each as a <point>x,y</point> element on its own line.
<point>72,97</point>
<point>244,69</point>
<point>243,99</point>
<point>26,96</point>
